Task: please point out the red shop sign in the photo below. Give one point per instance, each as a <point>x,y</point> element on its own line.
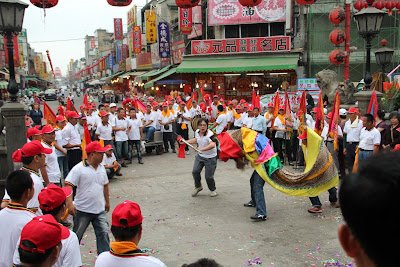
<point>185,20</point>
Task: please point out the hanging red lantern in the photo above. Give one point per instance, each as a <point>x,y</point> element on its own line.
<point>337,56</point>
<point>337,36</point>
<point>358,5</point>
<point>380,4</point>
<point>119,2</point>
<point>250,3</point>
<point>44,3</point>
<point>187,3</point>
<point>398,5</point>
<point>305,2</point>
<point>390,5</point>
<point>337,16</point>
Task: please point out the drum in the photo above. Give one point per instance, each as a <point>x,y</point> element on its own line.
<point>195,122</point>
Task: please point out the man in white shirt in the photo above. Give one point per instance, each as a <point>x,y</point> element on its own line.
<point>80,125</point>
<point>166,119</point>
<point>195,111</point>
<point>72,140</point>
<point>104,130</point>
<point>157,113</point>
<point>92,199</point>
<point>15,215</point>
<point>229,115</point>
<point>149,125</point>
<point>182,123</point>
<point>135,132</point>
<point>113,111</point>
<point>120,126</point>
<point>60,151</point>
<point>91,120</point>
<point>370,138</point>
<point>351,131</point>
<point>248,121</point>
<point>51,170</point>
<point>126,227</point>
<point>110,163</point>
<point>238,123</point>
<point>221,122</point>
<point>214,107</point>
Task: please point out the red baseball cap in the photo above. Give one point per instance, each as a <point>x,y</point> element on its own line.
<point>270,105</point>
<point>104,114</point>
<point>230,103</point>
<point>352,110</point>
<point>329,115</point>
<point>47,129</point>
<point>43,231</point>
<point>95,147</point>
<point>27,123</point>
<point>53,196</point>
<point>221,100</point>
<point>106,105</point>
<point>242,101</point>
<point>89,107</point>
<point>281,107</point>
<point>238,107</point>
<point>154,104</point>
<point>33,131</point>
<point>60,118</point>
<point>108,147</point>
<point>72,114</point>
<point>215,96</point>
<point>82,106</point>
<point>315,110</point>
<point>126,214</point>
<point>165,104</point>
<point>34,148</point>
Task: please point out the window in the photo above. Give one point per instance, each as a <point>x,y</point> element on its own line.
<point>277,28</point>
<point>232,31</point>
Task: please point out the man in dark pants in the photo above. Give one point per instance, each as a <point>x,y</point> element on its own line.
<point>257,197</point>
<point>182,123</point>
<point>351,137</point>
<point>72,139</point>
<point>166,119</point>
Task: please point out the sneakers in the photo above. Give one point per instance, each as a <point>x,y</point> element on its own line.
<point>187,152</point>
<point>315,210</point>
<point>259,217</point>
<point>249,204</point>
<point>213,193</point>
<point>124,165</point>
<point>140,162</point>
<point>118,174</point>
<point>335,205</point>
<point>173,150</point>
<point>196,191</point>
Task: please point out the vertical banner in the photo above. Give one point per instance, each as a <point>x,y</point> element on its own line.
<point>137,40</point>
<point>163,40</point>
<point>151,28</point>
<point>131,16</point>
<point>16,51</point>
<point>118,31</point>
<point>110,62</point>
<point>130,43</point>
<point>125,51</point>
<point>118,52</point>
<point>92,43</point>
<point>185,20</point>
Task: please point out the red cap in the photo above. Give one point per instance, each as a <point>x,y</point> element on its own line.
<point>53,196</point>
<point>224,106</point>
<point>352,110</point>
<point>270,105</point>
<point>106,104</point>
<point>82,106</point>
<point>27,123</point>
<point>165,104</point>
<point>329,115</point>
<point>43,231</point>
<point>221,100</point>
<point>250,109</point>
<point>242,101</point>
<point>282,107</point>
<point>104,114</point>
<point>47,129</point>
<point>108,147</point>
<point>230,102</point>
<point>93,104</point>
<point>89,107</point>
<point>238,107</point>
<point>303,136</point>
<point>72,114</point>
<point>315,110</point>
<point>33,131</point>
<point>60,118</point>
<point>34,148</point>
<point>246,105</point>
<point>95,147</point>
<point>154,104</point>
<point>16,156</point>
<point>151,98</point>
<point>126,214</point>
<point>182,103</point>
<point>215,96</point>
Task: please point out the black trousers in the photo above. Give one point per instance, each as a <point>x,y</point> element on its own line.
<point>168,137</point>
<point>183,133</point>
<point>74,156</point>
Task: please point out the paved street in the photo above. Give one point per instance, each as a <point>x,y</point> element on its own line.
<point>180,229</point>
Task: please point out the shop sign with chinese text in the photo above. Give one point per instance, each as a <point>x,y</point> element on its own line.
<point>241,45</point>
<point>151,29</point>
<point>163,40</point>
<point>137,40</point>
<point>185,20</point>
<point>118,31</point>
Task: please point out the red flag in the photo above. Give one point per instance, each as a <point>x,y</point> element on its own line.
<point>85,100</point>
<point>49,115</point>
<point>257,104</point>
<point>85,140</point>
<point>302,113</point>
<point>253,99</point>
<point>277,102</point>
<point>139,105</point>
<point>287,105</point>
<point>189,102</point>
<point>333,125</point>
<point>319,119</point>
<point>373,105</point>
<point>70,105</point>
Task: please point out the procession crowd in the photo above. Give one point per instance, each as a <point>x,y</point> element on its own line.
<point>62,173</point>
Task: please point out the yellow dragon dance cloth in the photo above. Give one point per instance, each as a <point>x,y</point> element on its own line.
<point>319,175</point>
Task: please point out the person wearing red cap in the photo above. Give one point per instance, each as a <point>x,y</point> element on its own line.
<point>370,138</point>
<point>238,118</point>
<point>195,110</point>
<point>92,199</point>
<point>281,136</point>
<point>248,121</point>
<point>72,140</point>
<point>15,215</point>
<point>104,130</point>
<point>52,201</point>
<point>149,123</point>
<point>157,113</point>
<point>33,134</point>
<point>166,119</point>
<point>40,242</point>
<point>182,123</point>
<point>351,137</point>
<point>214,107</point>
<point>269,117</point>
<point>91,121</point>
<point>33,157</point>
<point>126,227</point>
<point>80,125</point>
<point>110,163</point>
<point>51,170</point>
<point>82,109</point>
<point>135,132</point>
<point>120,127</point>
<point>58,143</point>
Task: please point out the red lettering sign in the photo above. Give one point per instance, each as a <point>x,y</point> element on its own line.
<point>185,20</point>
<point>118,31</point>
<point>137,40</point>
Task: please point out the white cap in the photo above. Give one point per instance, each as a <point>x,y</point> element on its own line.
<point>342,112</point>
<point>113,105</point>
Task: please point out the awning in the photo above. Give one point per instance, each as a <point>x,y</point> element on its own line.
<point>195,65</point>
<point>34,79</point>
<point>155,72</point>
<point>171,82</point>
<point>117,74</point>
<point>162,76</point>
<point>3,84</point>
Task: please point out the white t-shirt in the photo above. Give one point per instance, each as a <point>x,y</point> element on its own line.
<point>324,133</point>
<point>89,187</point>
<point>353,133</point>
<point>120,135</point>
<point>166,119</point>
<point>195,112</point>
<point>229,115</point>
<point>108,161</point>
<point>278,124</point>
<point>52,168</point>
<point>239,122</point>
<point>267,117</point>
<point>71,136</point>
<point>214,110</point>
<point>222,121</point>
<point>368,139</point>
<point>12,220</point>
<point>104,131</point>
<point>203,141</point>
<point>248,121</point>
<point>135,124</point>
<point>157,114</point>
<point>60,141</point>
<point>91,120</point>
<point>106,259</point>
<point>150,117</point>
<point>139,115</point>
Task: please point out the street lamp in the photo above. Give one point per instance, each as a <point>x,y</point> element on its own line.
<point>384,56</point>
<point>11,19</point>
<point>369,22</point>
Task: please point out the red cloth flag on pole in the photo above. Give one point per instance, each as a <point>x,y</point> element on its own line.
<point>277,102</point>
<point>189,102</point>
<point>86,139</point>
<point>373,105</point>
<point>49,115</point>
<point>253,98</point>
<point>85,100</point>
<point>333,125</point>
<point>319,119</point>
<point>70,105</point>
<point>257,104</point>
<point>302,113</point>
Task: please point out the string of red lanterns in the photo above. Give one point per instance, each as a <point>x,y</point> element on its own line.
<point>119,2</point>
<point>337,36</point>
<point>44,3</point>
<point>381,4</point>
<point>187,3</point>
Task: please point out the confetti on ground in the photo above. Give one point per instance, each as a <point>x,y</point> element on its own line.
<point>149,251</point>
<point>254,262</point>
<point>336,263</point>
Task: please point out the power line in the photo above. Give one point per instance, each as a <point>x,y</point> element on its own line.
<point>53,41</point>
